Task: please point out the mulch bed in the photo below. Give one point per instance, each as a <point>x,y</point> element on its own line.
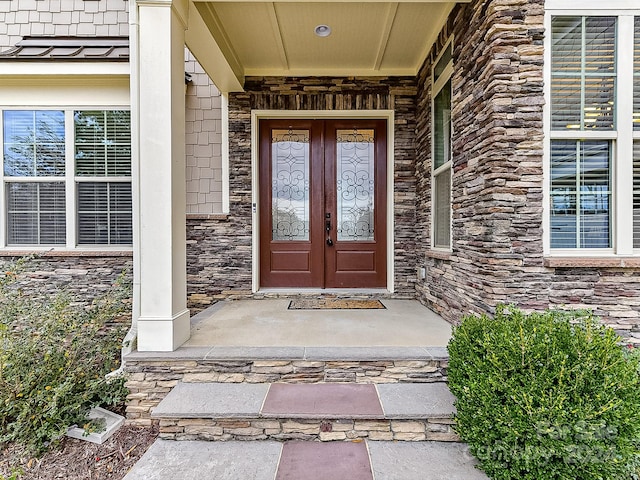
<point>79,460</point>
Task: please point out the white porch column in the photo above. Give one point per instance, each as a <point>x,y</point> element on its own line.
<point>164,323</point>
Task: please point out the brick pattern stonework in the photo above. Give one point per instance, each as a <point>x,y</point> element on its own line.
<point>219,250</point>
<point>497,183</point>
<point>151,380</point>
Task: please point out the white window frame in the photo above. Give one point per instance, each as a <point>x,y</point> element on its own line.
<point>436,87</point>
<point>69,179</point>
<point>622,137</point>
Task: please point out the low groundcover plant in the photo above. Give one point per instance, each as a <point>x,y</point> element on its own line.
<point>550,395</point>
<point>54,354</point>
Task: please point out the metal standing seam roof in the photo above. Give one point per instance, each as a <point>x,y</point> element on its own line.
<point>69,49</point>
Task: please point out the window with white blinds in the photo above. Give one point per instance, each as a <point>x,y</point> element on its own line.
<point>580,194</point>
<point>591,143</point>
<point>636,75</point>
<point>441,138</point>
<point>636,133</point>
<point>583,69</point>
<point>34,169</point>
<point>104,213</point>
<point>36,213</point>
<point>103,176</point>
<point>62,188</point>
<point>636,194</point>
<point>102,143</point>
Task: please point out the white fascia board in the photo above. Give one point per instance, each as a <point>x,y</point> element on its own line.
<point>31,69</point>
<point>333,1</point>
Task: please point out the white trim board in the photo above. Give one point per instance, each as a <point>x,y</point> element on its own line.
<point>55,92</point>
<point>586,6</point>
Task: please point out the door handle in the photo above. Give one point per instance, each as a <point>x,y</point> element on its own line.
<point>328,229</point>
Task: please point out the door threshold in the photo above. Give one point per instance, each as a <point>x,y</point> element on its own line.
<point>324,291</point>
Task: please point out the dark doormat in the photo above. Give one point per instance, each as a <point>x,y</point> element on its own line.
<point>335,304</point>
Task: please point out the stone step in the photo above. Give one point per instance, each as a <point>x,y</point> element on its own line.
<point>325,412</point>
<point>152,375</point>
<point>269,460</point>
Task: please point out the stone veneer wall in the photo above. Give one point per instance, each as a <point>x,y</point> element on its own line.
<point>83,275</point>
<point>219,250</point>
<point>152,377</point>
<point>497,200</point>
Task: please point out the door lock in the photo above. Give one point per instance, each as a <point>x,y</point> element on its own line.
<point>327,217</point>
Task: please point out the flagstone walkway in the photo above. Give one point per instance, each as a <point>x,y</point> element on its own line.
<point>300,460</point>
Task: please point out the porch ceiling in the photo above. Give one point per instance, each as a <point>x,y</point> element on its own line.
<point>376,38</point>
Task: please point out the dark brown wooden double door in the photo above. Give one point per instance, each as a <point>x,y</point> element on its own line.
<point>323,194</point>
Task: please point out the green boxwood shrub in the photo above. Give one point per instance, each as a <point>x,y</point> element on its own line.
<point>548,395</point>
<point>54,354</point>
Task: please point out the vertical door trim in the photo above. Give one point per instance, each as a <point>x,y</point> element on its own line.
<point>257,115</point>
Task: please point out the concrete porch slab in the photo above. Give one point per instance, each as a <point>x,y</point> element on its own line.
<point>268,323</point>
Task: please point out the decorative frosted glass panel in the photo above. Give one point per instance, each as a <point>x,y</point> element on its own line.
<point>290,181</point>
<point>580,194</point>
<point>104,213</point>
<point>583,73</point>
<point>33,143</point>
<point>636,77</point>
<point>355,177</point>
<point>103,143</point>
<point>442,213</point>
<point>36,213</point>
<point>442,126</point>
<point>636,194</point>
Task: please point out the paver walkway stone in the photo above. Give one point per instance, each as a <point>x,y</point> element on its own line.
<point>324,461</point>
<point>423,461</point>
<point>198,460</point>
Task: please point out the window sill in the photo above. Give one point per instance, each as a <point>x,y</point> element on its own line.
<point>598,262</point>
<point>11,252</point>
<point>439,254</point>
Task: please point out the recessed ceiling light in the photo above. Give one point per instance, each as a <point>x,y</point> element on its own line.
<point>322,30</point>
